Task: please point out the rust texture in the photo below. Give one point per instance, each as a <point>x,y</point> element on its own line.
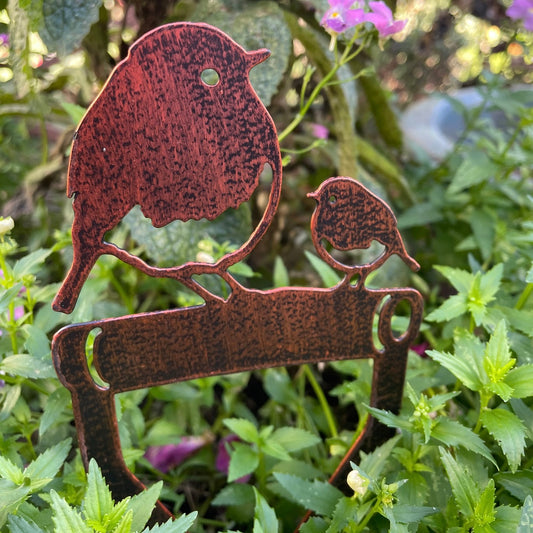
<point>161,137</point>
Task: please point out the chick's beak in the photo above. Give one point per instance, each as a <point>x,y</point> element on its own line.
<point>257,56</point>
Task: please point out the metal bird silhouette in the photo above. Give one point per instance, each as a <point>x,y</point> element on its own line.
<point>350,217</point>
<point>164,136</point>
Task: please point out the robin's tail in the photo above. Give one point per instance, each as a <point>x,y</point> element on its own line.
<point>400,250</point>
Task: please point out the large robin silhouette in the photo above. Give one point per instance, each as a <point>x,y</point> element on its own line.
<point>166,136</point>
<point>350,217</point>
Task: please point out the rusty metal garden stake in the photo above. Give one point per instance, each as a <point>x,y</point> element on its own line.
<point>164,136</point>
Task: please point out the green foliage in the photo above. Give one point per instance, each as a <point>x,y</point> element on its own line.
<point>461,457</point>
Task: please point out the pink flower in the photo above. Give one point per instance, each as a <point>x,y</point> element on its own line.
<point>319,131</point>
<point>381,17</point>
<point>421,348</point>
<point>19,310</point>
<point>342,15</point>
<point>522,9</point>
<point>166,457</point>
<point>223,457</point>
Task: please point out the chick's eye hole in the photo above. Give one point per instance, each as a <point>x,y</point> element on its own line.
<point>210,77</point>
<point>332,199</point>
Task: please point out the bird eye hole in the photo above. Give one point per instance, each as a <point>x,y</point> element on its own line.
<point>332,199</point>
<point>210,77</point>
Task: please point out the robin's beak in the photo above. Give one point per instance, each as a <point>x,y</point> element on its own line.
<point>313,195</point>
<point>257,56</point>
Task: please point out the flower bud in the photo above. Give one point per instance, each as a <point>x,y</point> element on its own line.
<point>357,483</point>
<point>6,225</point>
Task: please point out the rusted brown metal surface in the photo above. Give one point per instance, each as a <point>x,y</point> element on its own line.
<point>161,137</point>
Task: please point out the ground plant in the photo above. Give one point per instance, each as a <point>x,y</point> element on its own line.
<point>252,452</point>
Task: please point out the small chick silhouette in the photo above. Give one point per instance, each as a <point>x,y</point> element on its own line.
<point>350,217</point>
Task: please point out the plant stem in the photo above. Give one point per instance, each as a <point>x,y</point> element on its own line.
<point>361,526</point>
<point>524,296</point>
<point>321,400</point>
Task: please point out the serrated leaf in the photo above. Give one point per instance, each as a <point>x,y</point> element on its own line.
<point>317,496</point>
<point>66,519</point>
<point>460,279</point>
<point>344,514</point>
<point>27,366</point>
<point>463,486</point>
<point>453,307</point>
<point>10,471</point>
<point>508,431</point>
<point>274,449</point>
<point>47,465</point>
<point>243,428</point>
<point>484,510</point>
<point>37,343</point>
<point>98,501</point>
<point>294,439</point>
<point>265,520</point>
<point>66,23</point>
<point>459,367</point>
<point>497,361</point>
<point>453,433</point>
<point>11,497</point>
<point>142,505</point>
<point>520,379</point>
<point>178,525</point>
<point>374,462</point>
<point>243,461</point>
<point>519,484</point>
<point>17,524</point>
<point>390,419</point>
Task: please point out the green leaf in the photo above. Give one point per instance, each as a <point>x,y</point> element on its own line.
<point>75,111</point>
<point>281,274</point>
<point>10,471</point>
<point>508,431</point>
<point>294,439</point>
<point>453,307</point>
<point>66,23</point>
<point>483,228</point>
<point>142,505</point>
<point>460,279</point>
<point>11,497</point>
<point>463,486</point>
<point>17,524</point>
<point>390,419</point>
<point>484,511</point>
<point>498,361</point>
<point>235,494</point>
<point>526,518</point>
<point>462,369</point>
<point>37,343</point>
<point>98,501</point>
<point>273,448</point>
<point>265,520</point>
<point>374,462</point>
<point>254,25</point>
<point>243,461</point>
<point>519,484</point>
<point>54,410</point>
<point>490,282</point>
<point>476,168</point>
<point>178,525</point>
<point>453,433</point>
<point>317,496</point>
<point>29,263</point>
<point>329,277</point>
<point>7,296</point>
<point>66,519</point>
<point>27,366</point>
<point>520,379</point>
<point>345,513</point>
<point>243,428</point>
<point>47,465</point>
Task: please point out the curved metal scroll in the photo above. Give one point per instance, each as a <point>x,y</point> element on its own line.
<point>161,137</point>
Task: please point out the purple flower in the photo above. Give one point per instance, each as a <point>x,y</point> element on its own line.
<point>319,131</point>
<point>166,457</point>
<point>421,348</point>
<point>19,310</point>
<point>342,15</point>
<point>381,17</point>
<point>223,457</point>
<point>522,9</point>
<point>4,39</point>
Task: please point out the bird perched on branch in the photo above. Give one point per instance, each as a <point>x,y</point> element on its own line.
<point>179,130</point>
<point>350,217</point>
